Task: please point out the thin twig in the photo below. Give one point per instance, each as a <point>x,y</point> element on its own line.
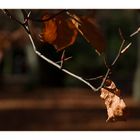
<point>5,11</point>
<point>105,62</point>
<point>58,62</point>
<point>96,78</point>
<point>26,26</point>
<point>113,63</point>
<point>104,79</point>
<point>119,53</point>
<point>121,34</point>
<point>27,18</point>
<point>136,32</point>
<point>121,47</point>
<point>58,66</point>
<point>62,59</point>
<point>126,48</point>
<point>55,64</point>
<point>73,17</point>
<point>47,19</point>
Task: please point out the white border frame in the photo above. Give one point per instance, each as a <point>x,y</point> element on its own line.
<point>69,4</point>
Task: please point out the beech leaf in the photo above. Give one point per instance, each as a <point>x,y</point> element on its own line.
<point>90,31</point>
<point>116,106</point>
<point>59,31</point>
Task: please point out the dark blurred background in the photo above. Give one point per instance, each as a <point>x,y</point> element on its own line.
<point>34,95</point>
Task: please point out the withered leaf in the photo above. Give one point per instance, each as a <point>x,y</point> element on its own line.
<point>116,106</point>
<point>59,31</point>
<point>90,31</point>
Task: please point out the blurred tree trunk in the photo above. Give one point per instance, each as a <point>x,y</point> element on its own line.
<point>136,86</point>
<point>32,58</point>
<point>33,67</point>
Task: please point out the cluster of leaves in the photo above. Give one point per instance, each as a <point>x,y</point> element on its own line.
<point>62,30</point>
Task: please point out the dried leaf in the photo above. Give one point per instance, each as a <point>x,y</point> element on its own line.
<point>90,31</point>
<point>114,104</point>
<point>59,31</point>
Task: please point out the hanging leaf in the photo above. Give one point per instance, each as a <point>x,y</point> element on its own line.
<point>59,31</point>
<point>90,31</point>
<point>114,104</point>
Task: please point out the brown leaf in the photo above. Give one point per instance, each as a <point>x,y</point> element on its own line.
<point>114,104</point>
<point>59,31</point>
<point>90,31</point>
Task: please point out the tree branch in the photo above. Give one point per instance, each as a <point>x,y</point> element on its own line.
<point>136,32</point>
<point>58,66</point>
<point>26,26</point>
<point>27,29</point>
<point>120,52</point>
<point>47,19</point>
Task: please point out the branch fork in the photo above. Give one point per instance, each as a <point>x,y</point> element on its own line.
<point>26,26</point>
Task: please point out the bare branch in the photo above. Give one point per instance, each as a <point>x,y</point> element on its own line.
<point>104,79</point>
<point>96,78</point>
<point>73,17</point>
<point>64,59</point>
<point>121,34</point>
<point>26,26</point>
<point>105,62</point>
<point>119,53</point>
<point>136,32</point>
<point>47,19</point>
<point>126,48</point>
<point>58,66</point>
<point>6,12</point>
<point>27,18</point>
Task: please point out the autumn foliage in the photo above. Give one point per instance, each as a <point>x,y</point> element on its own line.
<point>59,32</point>
<point>62,31</point>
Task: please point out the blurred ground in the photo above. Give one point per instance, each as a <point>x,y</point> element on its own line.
<point>60,109</point>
